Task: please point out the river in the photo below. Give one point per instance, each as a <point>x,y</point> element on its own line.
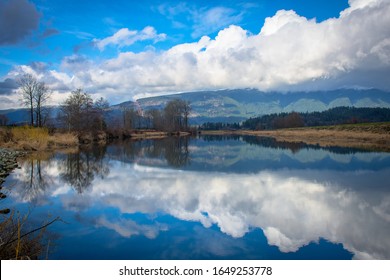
<point>211,197</point>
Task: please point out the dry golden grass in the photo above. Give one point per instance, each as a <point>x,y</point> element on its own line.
<point>141,134</point>
<point>327,138</point>
<point>19,241</point>
<point>13,246</point>
<point>63,140</point>
<point>364,136</point>
<point>34,137</point>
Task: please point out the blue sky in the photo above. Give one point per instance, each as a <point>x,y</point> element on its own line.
<point>123,50</point>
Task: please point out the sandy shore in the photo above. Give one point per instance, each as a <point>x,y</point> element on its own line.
<point>366,136</point>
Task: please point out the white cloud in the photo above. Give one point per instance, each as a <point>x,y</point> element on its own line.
<point>125,37</point>
<point>128,228</point>
<point>289,53</point>
<point>281,19</point>
<point>294,208</point>
<point>360,4</point>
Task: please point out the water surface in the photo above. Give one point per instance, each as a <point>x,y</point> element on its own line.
<point>209,198</point>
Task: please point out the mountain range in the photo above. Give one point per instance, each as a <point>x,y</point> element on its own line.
<point>240,104</point>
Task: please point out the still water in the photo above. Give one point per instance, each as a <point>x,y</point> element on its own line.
<point>208,198</point>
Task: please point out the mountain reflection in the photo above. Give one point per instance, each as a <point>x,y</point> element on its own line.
<point>292,206</point>
<point>243,154</point>
<point>269,142</point>
<point>291,209</point>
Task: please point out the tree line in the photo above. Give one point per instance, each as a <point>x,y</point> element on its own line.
<point>173,117</point>
<point>334,116</point>
<point>219,126</point>
<point>79,112</point>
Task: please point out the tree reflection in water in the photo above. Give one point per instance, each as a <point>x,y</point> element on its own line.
<point>172,150</point>
<point>80,169</point>
<point>295,194</point>
<point>34,180</point>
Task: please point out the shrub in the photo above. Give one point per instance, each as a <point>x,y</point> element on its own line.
<point>36,137</point>
<point>64,139</point>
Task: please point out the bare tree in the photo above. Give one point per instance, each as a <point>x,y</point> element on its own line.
<point>129,116</point>
<point>34,95</point>
<point>176,114</point>
<point>186,110</point>
<point>28,87</point>
<point>100,106</point>
<point>41,96</point>
<point>76,111</point>
<point>157,118</point>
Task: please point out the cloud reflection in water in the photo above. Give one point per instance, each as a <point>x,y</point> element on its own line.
<point>292,210</point>
<point>293,207</point>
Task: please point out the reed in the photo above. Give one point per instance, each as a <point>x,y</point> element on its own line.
<point>36,137</point>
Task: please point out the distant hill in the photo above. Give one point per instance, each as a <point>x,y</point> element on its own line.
<point>241,104</point>
<point>22,116</point>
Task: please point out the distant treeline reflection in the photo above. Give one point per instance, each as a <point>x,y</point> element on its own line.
<point>81,168</point>
<point>297,146</point>
<point>171,150</point>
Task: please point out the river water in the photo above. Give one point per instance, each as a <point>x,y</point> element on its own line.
<point>210,197</point>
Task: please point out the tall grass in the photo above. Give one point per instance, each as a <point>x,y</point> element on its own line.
<point>17,242</point>
<point>36,137</point>
<point>64,139</point>
<point>5,135</point>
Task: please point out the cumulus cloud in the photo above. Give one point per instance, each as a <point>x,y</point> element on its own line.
<point>289,53</point>
<point>125,37</point>
<point>18,19</point>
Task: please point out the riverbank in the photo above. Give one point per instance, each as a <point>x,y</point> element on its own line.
<point>140,134</point>
<point>8,162</point>
<point>35,139</point>
<point>370,136</point>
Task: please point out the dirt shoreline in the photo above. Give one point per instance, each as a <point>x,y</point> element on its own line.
<point>373,137</point>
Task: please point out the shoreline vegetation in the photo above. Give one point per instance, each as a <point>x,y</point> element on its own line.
<point>19,142</point>
<point>367,136</point>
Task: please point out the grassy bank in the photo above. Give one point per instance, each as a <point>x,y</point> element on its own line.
<point>369,136</point>
<point>35,139</point>
<point>140,134</point>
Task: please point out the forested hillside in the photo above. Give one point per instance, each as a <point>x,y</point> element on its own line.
<point>338,115</point>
